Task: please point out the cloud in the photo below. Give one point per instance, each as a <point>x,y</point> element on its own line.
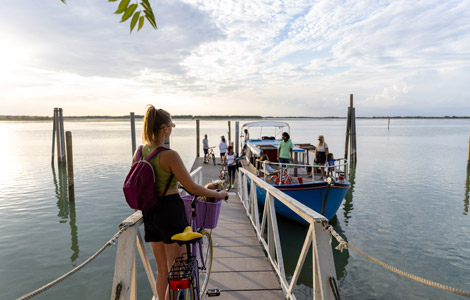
<point>272,57</point>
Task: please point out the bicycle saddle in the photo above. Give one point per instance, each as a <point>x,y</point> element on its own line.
<point>187,235</point>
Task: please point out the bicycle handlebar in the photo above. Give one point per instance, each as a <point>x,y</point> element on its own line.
<point>195,196</point>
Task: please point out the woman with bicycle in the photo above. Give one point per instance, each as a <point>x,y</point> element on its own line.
<point>169,218</point>
<point>231,164</point>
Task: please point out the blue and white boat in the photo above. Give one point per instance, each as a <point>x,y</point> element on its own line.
<point>297,179</point>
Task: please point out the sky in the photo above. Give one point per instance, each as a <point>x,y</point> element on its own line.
<point>246,57</point>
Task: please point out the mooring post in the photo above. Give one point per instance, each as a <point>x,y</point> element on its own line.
<point>468,158</point>
<point>133,132</point>
<point>229,133</point>
<point>54,128</point>
<point>198,153</point>
<point>353,131</point>
<point>70,180</point>
<point>62,137</point>
<point>237,136</point>
<point>57,133</point>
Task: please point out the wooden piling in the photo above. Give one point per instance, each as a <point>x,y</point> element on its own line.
<point>132,117</point>
<point>54,128</point>
<point>62,137</point>
<point>57,133</point>
<point>353,136</point>
<point>237,137</point>
<point>348,129</point>
<point>70,179</point>
<point>468,158</point>
<point>229,133</point>
<point>198,146</point>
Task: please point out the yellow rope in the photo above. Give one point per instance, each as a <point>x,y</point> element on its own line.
<point>343,244</point>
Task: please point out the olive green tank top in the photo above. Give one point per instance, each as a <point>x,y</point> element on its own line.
<point>162,175</point>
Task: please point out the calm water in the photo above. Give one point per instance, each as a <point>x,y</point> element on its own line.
<point>408,206</point>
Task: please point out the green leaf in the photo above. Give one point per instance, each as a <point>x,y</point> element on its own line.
<point>151,21</point>
<point>122,6</point>
<point>134,20</point>
<point>112,0</point>
<point>63,1</point>
<point>141,22</point>
<point>146,5</point>
<point>129,11</point>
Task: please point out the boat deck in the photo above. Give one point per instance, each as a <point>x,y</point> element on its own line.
<point>240,268</point>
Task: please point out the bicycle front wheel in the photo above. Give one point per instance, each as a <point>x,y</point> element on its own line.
<point>204,261</point>
<point>213,159</point>
<point>227,182</point>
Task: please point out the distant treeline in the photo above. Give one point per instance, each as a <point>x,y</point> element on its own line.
<point>211,117</point>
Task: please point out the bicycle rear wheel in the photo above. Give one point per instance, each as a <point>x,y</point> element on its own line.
<point>204,261</point>
<point>227,182</point>
<point>213,158</point>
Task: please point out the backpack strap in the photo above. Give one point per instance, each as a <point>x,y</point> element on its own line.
<point>155,152</point>
<point>168,185</point>
<point>138,153</point>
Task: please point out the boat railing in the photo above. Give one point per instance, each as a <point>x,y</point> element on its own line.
<point>338,168</point>
<point>267,231</point>
<point>130,242</point>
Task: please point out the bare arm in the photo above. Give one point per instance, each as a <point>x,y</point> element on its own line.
<point>171,161</point>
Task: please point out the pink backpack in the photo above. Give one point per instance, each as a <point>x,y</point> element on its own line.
<point>139,186</point>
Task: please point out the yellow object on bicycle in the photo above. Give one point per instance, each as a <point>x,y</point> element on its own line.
<point>187,235</point>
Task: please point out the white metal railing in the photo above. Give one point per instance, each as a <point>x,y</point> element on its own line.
<point>130,242</point>
<point>340,167</point>
<point>317,237</point>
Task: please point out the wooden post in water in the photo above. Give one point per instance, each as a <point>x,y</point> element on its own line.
<point>133,133</point>
<point>348,129</point>
<point>57,133</point>
<point>229,133</point>
<point>70,179</point>
<point>54,128</point>
<point>198,146</point>
<point>468,158</point>
<point>237,137</point>
<point>62,138</point>
<point>353,132</point>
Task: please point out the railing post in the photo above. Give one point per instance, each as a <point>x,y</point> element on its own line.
<point>323,263</point>
<point>124,266</point>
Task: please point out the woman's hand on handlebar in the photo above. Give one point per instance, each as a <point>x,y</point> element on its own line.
<point>222,195</point>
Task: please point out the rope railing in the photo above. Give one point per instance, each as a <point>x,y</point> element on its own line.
<point>45,287</point>
<point>343,244</point>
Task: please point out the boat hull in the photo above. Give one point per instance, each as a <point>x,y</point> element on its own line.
<point>311,195</point>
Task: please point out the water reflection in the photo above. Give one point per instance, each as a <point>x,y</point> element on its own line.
<point>66,208</point>
<point>348,199</point>
<point>467,190</point>
<point>292,236</point>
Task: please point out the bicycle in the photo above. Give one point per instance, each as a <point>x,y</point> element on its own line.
<point>190,273</point>
<point>210,155</point>
<point>224,176</point>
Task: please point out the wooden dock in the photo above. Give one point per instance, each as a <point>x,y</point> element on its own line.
<point>240,267</point>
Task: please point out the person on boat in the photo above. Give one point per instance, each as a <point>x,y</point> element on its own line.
<point>284,152</point>
<point>205,147</point>
<point>169,217</point>
<point>231,164</point>
<point>321,153</point>
<point>223,149</point>
<point>247,138</point>
<point>265,160</point>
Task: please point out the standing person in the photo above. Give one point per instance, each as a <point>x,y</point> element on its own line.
<point>169,217</point>
<point>284,152</point>
<point>231,164</point>
<point>247,138</point>
<point>223,149</point>
<point>321,153</point>
<point>205,147</point>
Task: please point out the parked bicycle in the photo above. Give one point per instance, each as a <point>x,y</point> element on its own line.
<point>190,273</point>
<point>210,155</point>
<point>224,176</point>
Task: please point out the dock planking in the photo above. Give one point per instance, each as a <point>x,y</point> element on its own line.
<point>240,268</point>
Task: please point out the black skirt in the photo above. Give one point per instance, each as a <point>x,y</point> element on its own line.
<point>320,158</point>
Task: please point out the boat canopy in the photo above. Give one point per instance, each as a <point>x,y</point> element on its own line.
<point>274,131</point>
<point>266,124</point>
